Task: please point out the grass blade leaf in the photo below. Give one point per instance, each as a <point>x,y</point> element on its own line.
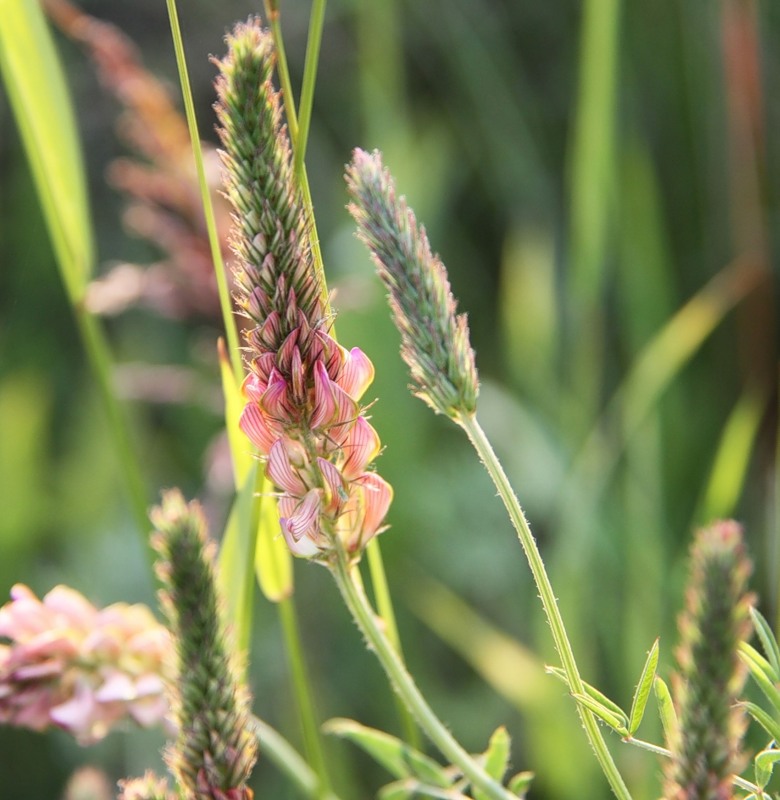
<point>642,692</point>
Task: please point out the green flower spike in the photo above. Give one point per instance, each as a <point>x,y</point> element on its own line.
<point>434,341</point>
<point>706,746</point>
<point>214,752</point>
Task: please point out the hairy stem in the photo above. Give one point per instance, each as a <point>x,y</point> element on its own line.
<point>405,686</point>
<point>550,604</point>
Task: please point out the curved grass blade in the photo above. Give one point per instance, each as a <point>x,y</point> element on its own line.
<point>594,694</point>
<point>519,784</point>
<point>642,692</point>
<point>665,708</point>
<point>235,567</point>
<point>732,459</point>
<point>764,763</point>
<point>41,104</point>
<point>496,758</point>
<point>762,673</point>
<point>766,721</point>
<point>397,757</point>
<point>615,721</point>
<point>768,641</point>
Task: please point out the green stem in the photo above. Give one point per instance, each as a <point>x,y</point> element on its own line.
<point>404,684</point>
<point>316,24</point>
<point>225,303</point>
<point>550,604</point>
<point>100,360</point>
<point>384,605</point>
<point>301,684</point>
<point>288,760</point>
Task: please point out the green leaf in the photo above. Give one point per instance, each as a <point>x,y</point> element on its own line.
<point>236,559</point>
<point>765,720</point>
<point>642,692</point>
<point>273,559</point>
<point>665,708</point>
<point>762,673</point>
<point>764,765</point>
<point>41,104</point>
<point>519,784</point>
<point>496,759</point>
<point>615,721</point>
<point>768,641</point>
<point>592,692</point>
<point>408,789</point>
<point>271,556</point>
<point>397,757</point>
<point>241,451</point>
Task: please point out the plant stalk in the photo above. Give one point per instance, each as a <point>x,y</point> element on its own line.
<point>495,470</point>
<point>301,684</point>
<point>225,302</point>
<point>357,602</point>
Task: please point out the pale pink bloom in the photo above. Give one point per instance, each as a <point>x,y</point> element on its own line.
<point>78,667</point>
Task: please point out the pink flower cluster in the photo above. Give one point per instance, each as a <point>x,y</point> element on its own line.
<point>303,415</point>
<point>80,668</point>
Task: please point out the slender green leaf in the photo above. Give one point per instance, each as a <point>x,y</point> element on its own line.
<point>409,789</point>
<point>273,560</point>
<point>271,556</point>
<point>765,720</point>
<point>762,673</point>
<point>642,692</point>
<point>615,721</point>
<point>41,104</point>
<point>496,759</point>
<point>665,708</point>
<point>240,448</point>
<point>519,784</point>
<point>593,693</point>
<point>396,756</point>
<point>764,765</point>
<point>733,456</point>
<point>768,641</point>
<point>236,558</point>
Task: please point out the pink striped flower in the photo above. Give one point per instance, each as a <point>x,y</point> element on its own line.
<point>82,669</point>
<point>303,390</point>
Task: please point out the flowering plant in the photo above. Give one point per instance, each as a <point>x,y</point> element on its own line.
<point>303,453</point>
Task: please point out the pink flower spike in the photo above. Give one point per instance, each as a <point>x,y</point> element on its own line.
<point>253,424</point>
<point>361,446</point>
<point>357,373</point>
<point>282,472</point>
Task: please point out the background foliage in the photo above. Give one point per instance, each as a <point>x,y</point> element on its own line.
<point>584,170</point>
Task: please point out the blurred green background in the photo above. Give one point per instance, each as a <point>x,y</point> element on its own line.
<point>601,180</point>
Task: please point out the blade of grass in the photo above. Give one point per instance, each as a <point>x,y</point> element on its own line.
<point>41,103</point>
<point>228,318</point>
<point>729,469</point>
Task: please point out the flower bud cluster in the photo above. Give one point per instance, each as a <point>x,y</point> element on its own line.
<point>71,665</point>
<point>303,389</point>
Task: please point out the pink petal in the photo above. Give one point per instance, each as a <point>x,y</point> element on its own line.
<point>253,388</point>
<point>361,446</point>
<point>335,493</point>
<point>282,472</point>
<point>76,715</point>
<point>324,399</point>
<point>275,402</point>
<point>357,373</point>
<point>118,687</point>
<point>306,514</point>
<point>378,495</point>
<point>253,424</point>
